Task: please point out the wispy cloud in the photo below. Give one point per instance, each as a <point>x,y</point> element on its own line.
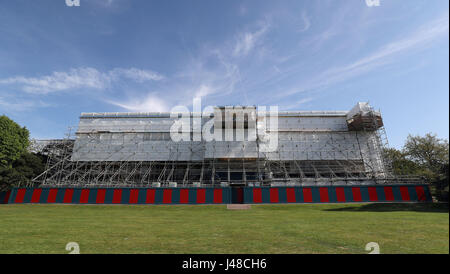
<point>306,23</point>
<point>298,103</point>
<point>249,40</point>
<point>388,53</point>
<point>152,103</point>
<point>79,78</point>
<point>20,105</point>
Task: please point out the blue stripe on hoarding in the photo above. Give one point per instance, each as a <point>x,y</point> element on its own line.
<point>109,194</point>
<point>226,195</point>
<point>125,196</point>
<point>28,195</point>
<point>209,199</point>
<point>44,195</point>
<point>397,194</point>
<point>60,195</point>
<point>192,199</point>
<point>175,196</point>
<point>92,195</point>
<point>76,196</point>
<point>265,193</point>
<point>248,195</point>
<point>332,194</point>
<point>299,195</point>
<point>364,194</point>
<point>12,197</point>
<point>282,196</point>
<point>412,193</point>
<point>348,194</point>
<point>380,193</point>
<point>315,194</point>
<point>159,196</point>
<point>142,196</point>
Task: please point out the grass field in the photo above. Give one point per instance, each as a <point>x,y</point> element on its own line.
<point>320,228</point>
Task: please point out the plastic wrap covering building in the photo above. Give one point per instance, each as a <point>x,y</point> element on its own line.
<point>231,146</point>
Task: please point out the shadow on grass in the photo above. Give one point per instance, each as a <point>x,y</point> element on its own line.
<point>390,207</point>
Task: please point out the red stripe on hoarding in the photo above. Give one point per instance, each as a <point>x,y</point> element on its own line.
<point>373,194</point>
<point>218,196</point>
<point>257,195</point>
<point>20,195</point>
<point>84,197</point>
<point>340,194</point>
<point>388,193</point>
<point>68,196</point>
<point>421,193</point>
<point>356,194</point>
<point>274,195</point>
<point>167,196</point>
<point>8,193</point>
<point>307,195</point>
<point>100,199</point>
<point>52,195</point>
<point>201,196</point>
<point>150,196</point>
<point>184,196</point>
<point>290,195</point>
<point>324,195</point>
<point>405,193</point>
<point>36,195</point>
<point>134,194</point>
<point>117,196</point>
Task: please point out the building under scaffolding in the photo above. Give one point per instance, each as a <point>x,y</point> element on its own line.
<point>138,150</point>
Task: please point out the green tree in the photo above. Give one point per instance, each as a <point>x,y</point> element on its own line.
<point>13,141</point>
<point>9,177</point>
<point>429,151</point>
<point>29,165</point>
<point>401,165</point>
<point>23,170</point>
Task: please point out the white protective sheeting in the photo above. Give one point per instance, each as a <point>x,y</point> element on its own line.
<point>302,135</point>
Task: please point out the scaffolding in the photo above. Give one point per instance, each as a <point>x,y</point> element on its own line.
<point>331,153</point>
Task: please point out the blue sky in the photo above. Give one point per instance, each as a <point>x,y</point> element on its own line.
<point>139,55</point>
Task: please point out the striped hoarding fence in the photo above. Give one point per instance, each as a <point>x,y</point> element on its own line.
<point>121,195</point>
<point>337,194</point>
<point>225,195</point>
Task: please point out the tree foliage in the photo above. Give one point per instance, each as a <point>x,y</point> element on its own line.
<point>13,141</point>
<point>23,170</point>
<point>401,165</point>
<point>17,165</point>
<point>428,151</point>
<point>424,156</point>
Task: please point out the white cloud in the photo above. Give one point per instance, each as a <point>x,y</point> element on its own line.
<point>20,105</point>
<point>135,74</point>
<point>204,90</point>
<point>306,23</point>
<point>248,40</point>
<point>152,103</point>
<point>79,78</point>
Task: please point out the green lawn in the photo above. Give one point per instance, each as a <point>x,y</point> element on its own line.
<point>320,228</point>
